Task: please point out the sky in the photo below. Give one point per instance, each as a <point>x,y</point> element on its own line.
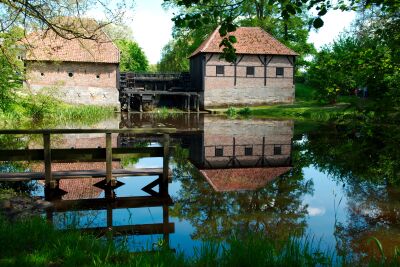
<point>152,27</point>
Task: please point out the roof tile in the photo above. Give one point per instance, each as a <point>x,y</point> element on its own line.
<point>250,40</point>
<point>48,46</point>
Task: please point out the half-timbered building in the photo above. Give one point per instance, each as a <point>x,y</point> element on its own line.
<point>263,72</point>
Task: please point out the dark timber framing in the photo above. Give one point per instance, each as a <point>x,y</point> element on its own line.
<point>235,68</point>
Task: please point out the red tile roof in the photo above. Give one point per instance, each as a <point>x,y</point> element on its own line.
<point>224,180</point>
<point>81,188</point>
<point>250,40</point>
<point>48,46</point>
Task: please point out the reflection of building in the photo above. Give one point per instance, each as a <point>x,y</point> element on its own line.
<point>223,180</point>
<point>231,154</point>
<point>244,143</point>
<point>110,203</point>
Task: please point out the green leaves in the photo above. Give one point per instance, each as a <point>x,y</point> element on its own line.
<point>318,23</point>
<point>132,56</point>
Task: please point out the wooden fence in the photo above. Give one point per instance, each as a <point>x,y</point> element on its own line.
<point>107,154</point>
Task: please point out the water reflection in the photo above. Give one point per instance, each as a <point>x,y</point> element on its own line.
<point>278,178</point>
<point>88,214</point>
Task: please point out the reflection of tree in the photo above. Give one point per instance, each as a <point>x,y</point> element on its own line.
<point>15,142</point>
<point>364,153</point>
<point>276,209</point>
<point>373,211</point>
<point>367,160</point>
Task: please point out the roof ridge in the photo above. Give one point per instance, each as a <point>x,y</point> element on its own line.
<point>209,39</point>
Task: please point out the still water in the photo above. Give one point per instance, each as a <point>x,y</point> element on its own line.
<point>335,184</point>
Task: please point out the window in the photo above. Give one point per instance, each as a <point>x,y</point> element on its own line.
<point>279,71</point>
<point>220,70</point>
<point>98,76</point>
<point>41,74</point>
<point>248,151</point>
<point>219,151</point>
<point>277,150</point>
<point>249,70</point>
<point>70,74</point>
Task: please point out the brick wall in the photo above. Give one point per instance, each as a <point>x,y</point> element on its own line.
<point>220,132</point>
<point>220,90</point>
<point>91,83</point>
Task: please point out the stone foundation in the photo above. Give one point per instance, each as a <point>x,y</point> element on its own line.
<point>247,96</point>
<point>81,95</point>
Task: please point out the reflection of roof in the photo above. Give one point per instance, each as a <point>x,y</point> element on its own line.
<point>250,40</point>
<point>81,188</point>
<point>223,180</point>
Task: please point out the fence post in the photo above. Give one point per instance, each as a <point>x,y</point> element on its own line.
<point>165,176</point>
<point>47,161</point>
<point>109,177</point>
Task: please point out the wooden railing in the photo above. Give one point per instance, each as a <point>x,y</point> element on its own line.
<point>107,154</point>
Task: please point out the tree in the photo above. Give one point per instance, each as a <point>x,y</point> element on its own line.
<point>11,67</point>
<point>132,56</point>
<point>197,13</point>
<point>365,57</point>
<point>292,31</point>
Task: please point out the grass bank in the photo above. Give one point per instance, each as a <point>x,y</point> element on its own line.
<point>46,111</point>
<point>34,242</point>
<point>304,108</point>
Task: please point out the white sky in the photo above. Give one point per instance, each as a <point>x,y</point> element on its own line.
<point>152,26</point>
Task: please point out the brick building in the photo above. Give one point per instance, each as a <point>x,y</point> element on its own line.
<point>262,73</point>
<point>79,71</point>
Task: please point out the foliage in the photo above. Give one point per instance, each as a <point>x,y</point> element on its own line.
<point>174,57</point>
<point>367,58</point>
<point>246,111</point>
<point>65,18</point>
<point>292,31</point>
<point>304,92</point>
<point>201,12</point>
<point>11,67</point>
<point>118,31</point>
<point>132,56</point>
<point>231,112</point>
<point>43,110</point>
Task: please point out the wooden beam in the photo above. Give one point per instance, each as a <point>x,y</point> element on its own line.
<point>166,155</point>
<point>79,154</point>
<point>84,131</point>
<point>109,176</point>
<point>138,229</point>
<point>56,175</point>
<point>117,203</point>
<point>47,161</point>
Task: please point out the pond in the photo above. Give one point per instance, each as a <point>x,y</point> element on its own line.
<point>335,184</point>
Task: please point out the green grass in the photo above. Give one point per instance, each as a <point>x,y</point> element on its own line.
<point>304,108</point>
<point>34,242</point>
<point>37,111</point>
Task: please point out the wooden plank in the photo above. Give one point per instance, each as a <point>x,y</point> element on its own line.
<point>78,154</point>
<point>138,229</point>
<point>166,159</point>
<point>47,160</point>
<point>108,158</point>
<point>116,203</point>
<point>81,131</point>
<point>15,176</point>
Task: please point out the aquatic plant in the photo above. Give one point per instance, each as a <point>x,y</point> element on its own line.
<point>231,112</point>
